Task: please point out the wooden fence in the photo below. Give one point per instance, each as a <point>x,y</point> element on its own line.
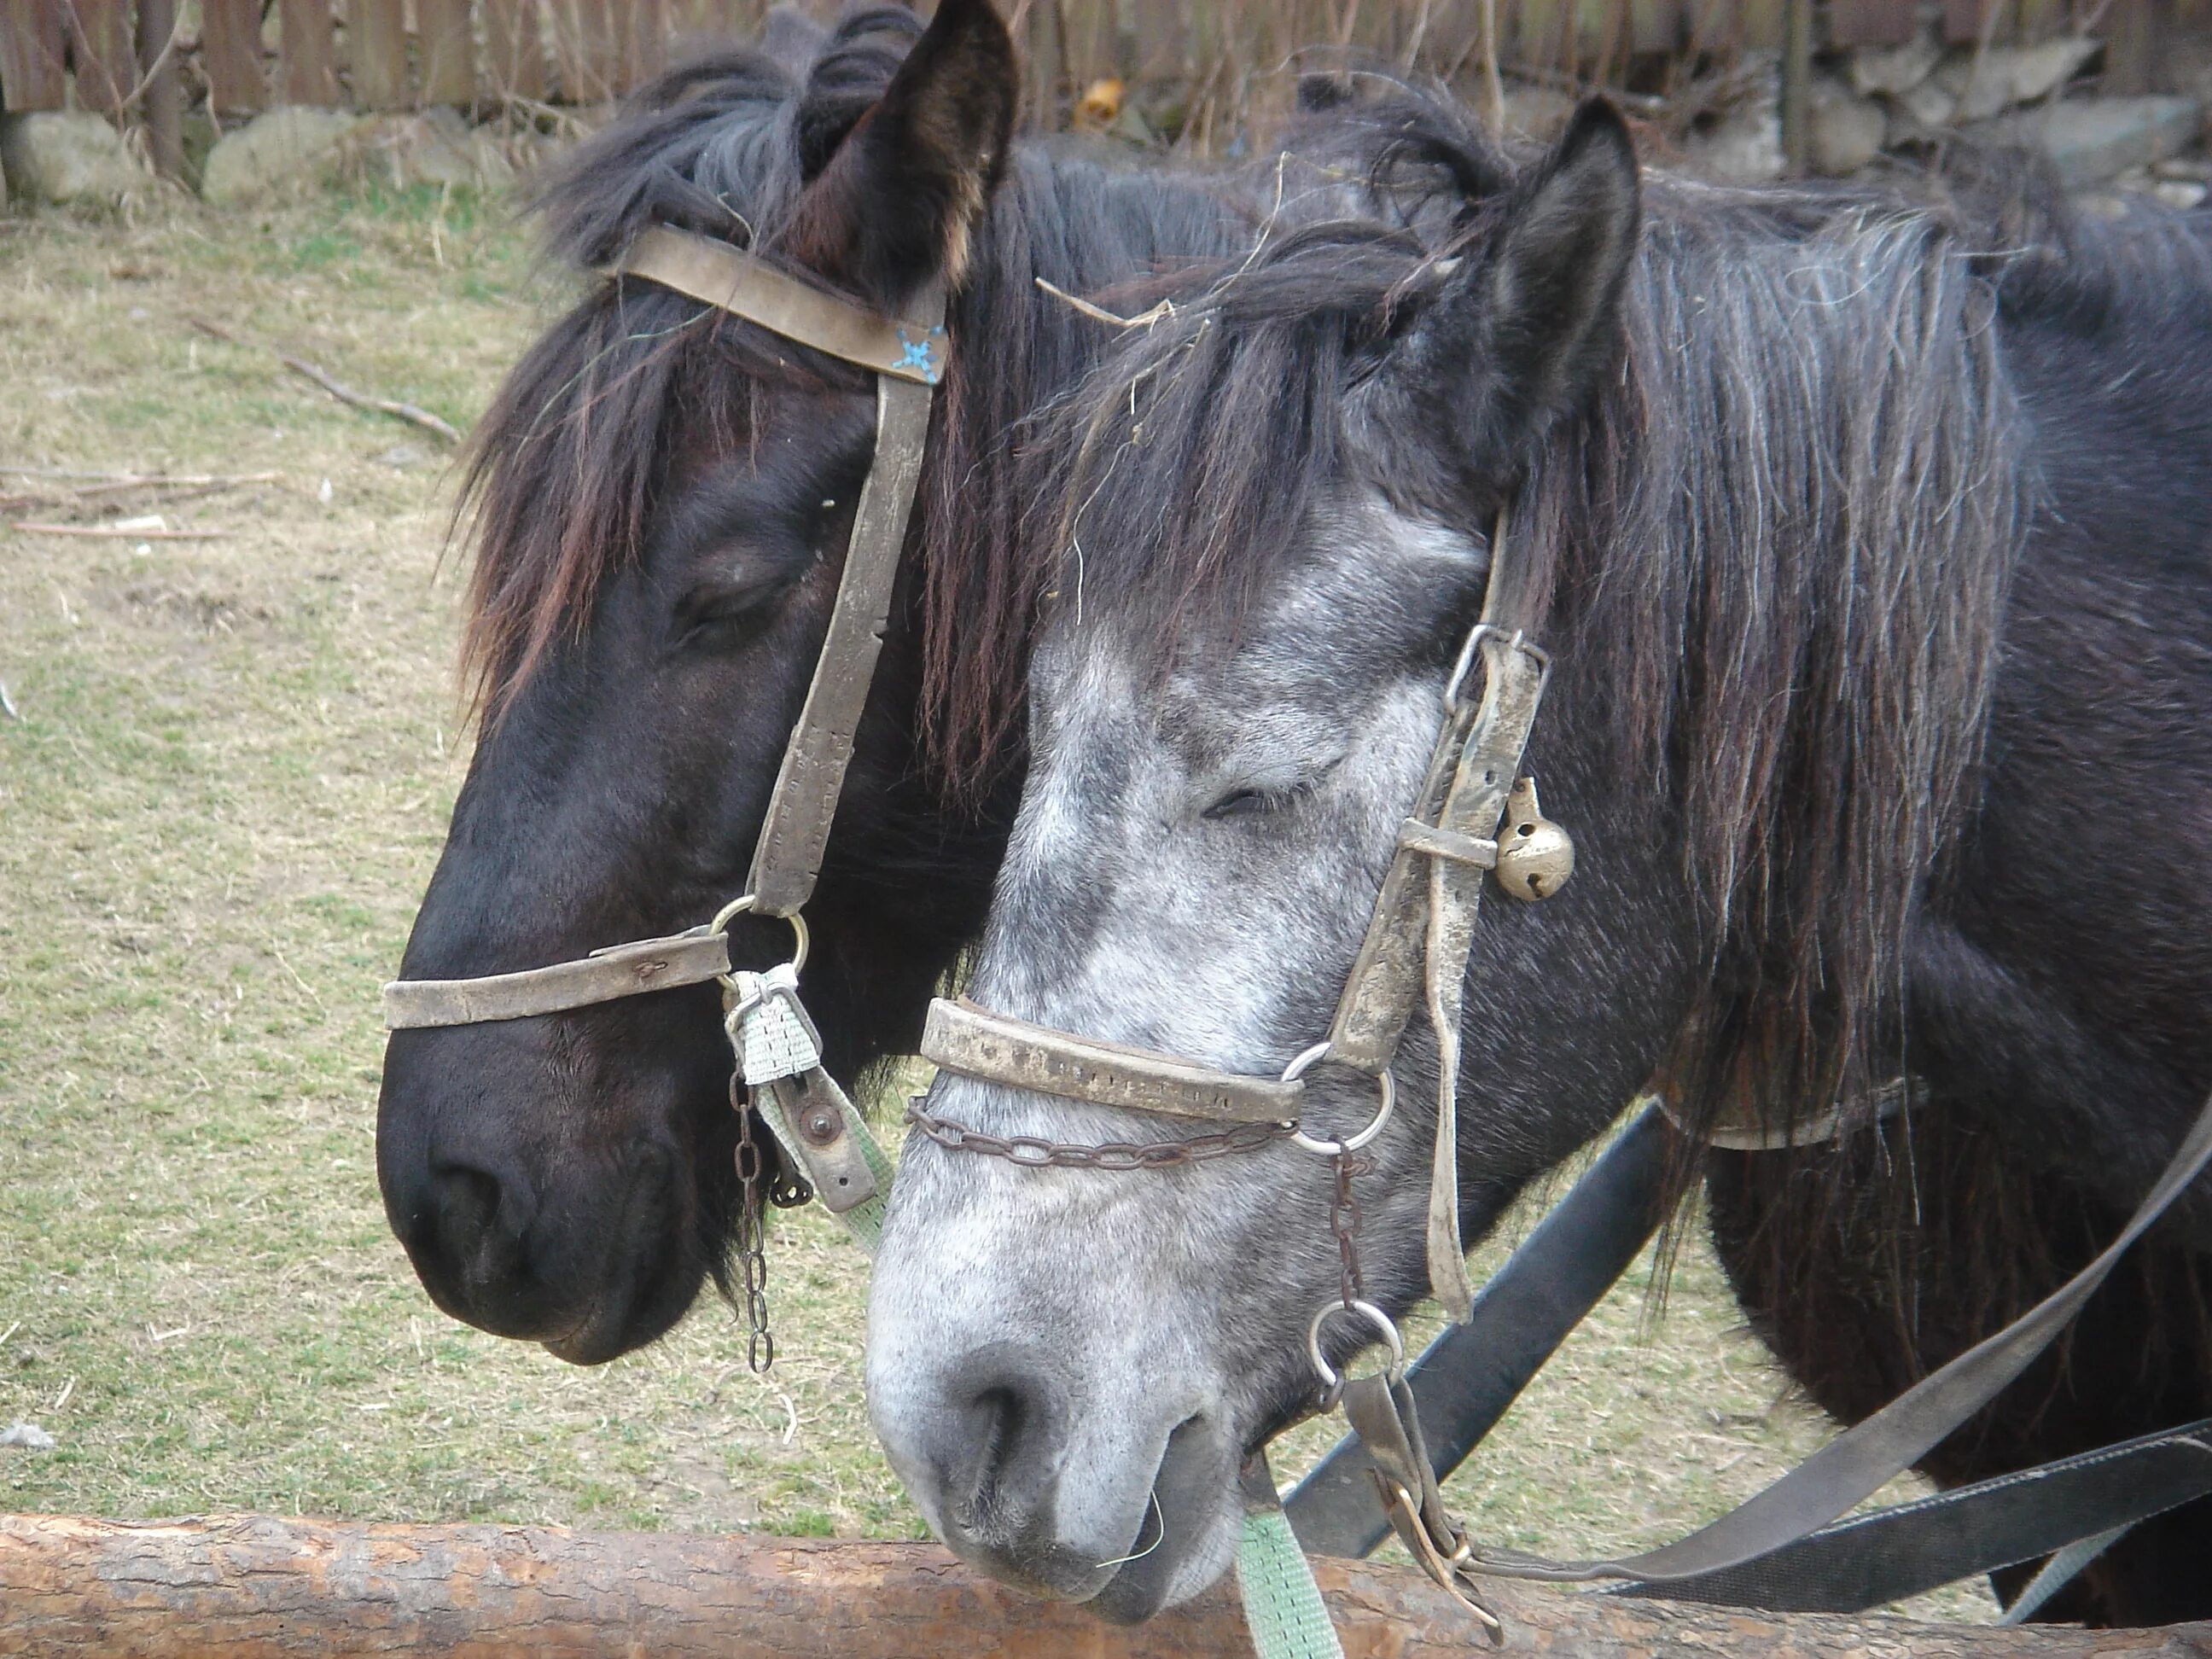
<point>120,57</point>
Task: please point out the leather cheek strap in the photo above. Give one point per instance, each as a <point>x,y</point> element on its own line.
<point>621,970</point>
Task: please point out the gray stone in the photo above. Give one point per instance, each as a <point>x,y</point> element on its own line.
<point>2092,139</point>
<point>1892,72</point>
<point>1928,106</point>
<point>286,149</point>
<point>68,157</point>
<point>1744,147</point>
<point>1845,132</point>
<point>2011,74</point>
<point>434,148</point>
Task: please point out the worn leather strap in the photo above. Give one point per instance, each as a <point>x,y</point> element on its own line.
<point>994,1048</point>
<point>621,970</point>
<point>788,856</point>
<point>908,357</point>
<point>745,285</point>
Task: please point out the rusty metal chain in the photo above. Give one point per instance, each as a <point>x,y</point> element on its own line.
<point>1344,1223</point>
<point>1032,1153</point>
<point>752,1232</point>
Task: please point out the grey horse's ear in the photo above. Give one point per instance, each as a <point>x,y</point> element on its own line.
<point>1520,331</point>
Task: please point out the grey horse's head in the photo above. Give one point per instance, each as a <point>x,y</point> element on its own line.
<point>1276,504</point>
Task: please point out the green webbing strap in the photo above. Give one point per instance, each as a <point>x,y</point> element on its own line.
<point>865,1220</point>
<point>1283,1606</point>
<point>1283,1609</point>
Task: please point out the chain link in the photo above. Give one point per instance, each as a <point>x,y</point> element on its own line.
<point>752,1232</point>
<point>1034,1153</point>
<point>1344,1223</point>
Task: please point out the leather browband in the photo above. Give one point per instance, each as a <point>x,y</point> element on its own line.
<point>907,356</point>
<point>620,970</point>
<point>1000,1049</point>
<point>730,279</point>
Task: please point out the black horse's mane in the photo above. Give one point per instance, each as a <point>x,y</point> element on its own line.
<point>1782,534</point>
<point>581,439</point>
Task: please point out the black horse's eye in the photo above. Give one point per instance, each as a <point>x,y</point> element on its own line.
<point>706,614</point>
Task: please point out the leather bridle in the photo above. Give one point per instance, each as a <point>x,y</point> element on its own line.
<point>1415,949</point>
<point>779,1051</point>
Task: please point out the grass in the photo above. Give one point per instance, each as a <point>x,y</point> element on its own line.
<point>231,773</point>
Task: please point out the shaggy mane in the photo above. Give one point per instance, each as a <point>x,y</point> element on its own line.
<point>1786,525</point>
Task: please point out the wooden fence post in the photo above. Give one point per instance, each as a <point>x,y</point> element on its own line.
<point>307,49</point>
<point>33,51</point>
<point>162,93</point>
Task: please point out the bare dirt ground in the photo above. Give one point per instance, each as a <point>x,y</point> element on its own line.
<point>222,787</point>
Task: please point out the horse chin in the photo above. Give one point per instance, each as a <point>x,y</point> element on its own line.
<point>1194,1540</point>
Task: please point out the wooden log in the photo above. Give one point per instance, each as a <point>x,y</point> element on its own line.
<point>257,1587</point>
<point>32,55</point>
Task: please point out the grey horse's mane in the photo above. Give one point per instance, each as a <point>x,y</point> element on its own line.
<point>1784,529</point>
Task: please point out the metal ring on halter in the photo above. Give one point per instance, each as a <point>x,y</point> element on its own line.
<point>738,907</point>
<point>1298,1067</point>
<point>1330,1380</point>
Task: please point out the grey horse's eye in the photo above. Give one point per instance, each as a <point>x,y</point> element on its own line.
<point>1256,798</point>
<point>1239,802</point>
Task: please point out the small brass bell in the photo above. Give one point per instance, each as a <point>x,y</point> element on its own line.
<point>1536,856</point>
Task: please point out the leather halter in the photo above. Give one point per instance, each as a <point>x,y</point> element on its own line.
<point>1415,948</point>
<point>907,356</point>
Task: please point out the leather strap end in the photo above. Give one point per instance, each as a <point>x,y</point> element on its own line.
<point>730,279</point>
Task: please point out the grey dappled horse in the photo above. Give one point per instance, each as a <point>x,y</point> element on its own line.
<point>1877,538</point>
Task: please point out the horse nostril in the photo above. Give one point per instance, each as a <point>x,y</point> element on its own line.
<point>1006,1445</point>
<point>477,1222</point>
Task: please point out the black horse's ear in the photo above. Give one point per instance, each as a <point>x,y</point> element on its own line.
<point>894,207</point>
<point>1520,331</point>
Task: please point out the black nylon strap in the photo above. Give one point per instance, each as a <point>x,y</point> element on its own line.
<point>1858,1463</point>
<point>1876,1559</point>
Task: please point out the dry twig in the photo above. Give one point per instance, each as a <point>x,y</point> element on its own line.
<point>413,414</point>
<point>114,533</point>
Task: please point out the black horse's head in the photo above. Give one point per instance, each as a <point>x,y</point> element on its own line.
<point>665,495</point>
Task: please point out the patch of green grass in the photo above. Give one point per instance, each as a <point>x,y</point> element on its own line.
<point>226,793</point>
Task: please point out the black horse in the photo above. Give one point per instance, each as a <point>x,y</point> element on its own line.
<point>661,495</point>
<point>1875,535</point>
